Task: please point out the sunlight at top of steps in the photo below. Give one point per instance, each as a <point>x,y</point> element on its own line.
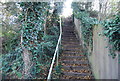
<point>67,10</point>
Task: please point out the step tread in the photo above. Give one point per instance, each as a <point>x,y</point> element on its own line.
<point>75,67</point>
<point>65,42</point>
<point>69,49</point>
<point>75,74</point>
<point>74,57</point>
<point>78,78</point>
<point>75,62</point>
<point>73,52</point>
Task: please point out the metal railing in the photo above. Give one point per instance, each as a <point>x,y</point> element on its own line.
<point>56,53</point>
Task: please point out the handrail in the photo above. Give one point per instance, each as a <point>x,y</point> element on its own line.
<point>55,53</point>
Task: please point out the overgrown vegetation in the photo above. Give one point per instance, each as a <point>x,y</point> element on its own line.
<point>112,31</point>
<point>33,44</point>
<point>88,20</point>
<point>87,23</point>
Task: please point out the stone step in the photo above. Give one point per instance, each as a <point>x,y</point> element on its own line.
<point>72,40</point>
<point>68,32</point>
<point>71,32</point>
<point>72,46</point>
<point>70,43</point>
<point>74,67</point>
<point>78,71</point>
<point>68,28</point>
<point>64,36</point>
<point>74,57</point>
<point>72,52</point>
<point>78,78</point>
<point>76,74</point>
<point>69,37</point>
<point>86,65</point>
<point>75,62</point>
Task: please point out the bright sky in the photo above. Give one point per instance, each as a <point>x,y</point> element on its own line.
<point>96,5</point>
<point>67,10</point>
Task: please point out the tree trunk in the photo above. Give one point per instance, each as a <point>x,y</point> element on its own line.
<point>26,59</point>
<point>27,63</point>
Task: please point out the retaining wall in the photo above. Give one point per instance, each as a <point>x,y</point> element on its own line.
<point>103,65</point>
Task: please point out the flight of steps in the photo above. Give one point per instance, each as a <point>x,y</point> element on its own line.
<point>75,64</point>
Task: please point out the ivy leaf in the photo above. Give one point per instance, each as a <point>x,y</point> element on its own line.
<point>106,31</point>
<point>19,74</point>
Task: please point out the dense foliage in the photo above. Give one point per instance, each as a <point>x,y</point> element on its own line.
<point>88,20</point>
<point>87,23</point>
<point>31,45</point>
<point>112,31</point>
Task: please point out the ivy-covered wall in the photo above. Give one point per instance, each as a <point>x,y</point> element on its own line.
<point>103,65</point>
<point>100,36</point>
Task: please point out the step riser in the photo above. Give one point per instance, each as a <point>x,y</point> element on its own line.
<point>74,50</point>
<point>76,74</point>
<point>72,53</point>
<point>74,57</point>
<point>68,48</point>
<point>72,46</point>
<point>70,43</point>
<point>75,68</point>
<point>69,37</point>
<point>75,62</point>
<point>80,78</point>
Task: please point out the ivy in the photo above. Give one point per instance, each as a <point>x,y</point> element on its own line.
<point>112,31</point>
<point>111,28</point>
<point>40,46</point>
<point>87,24</point>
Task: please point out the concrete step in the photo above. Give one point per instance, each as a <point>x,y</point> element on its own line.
<point>67,41</point>
<point>70,43</point>
<point>72,52</point>
<point>75,74</point>
<point>63,36</point>
<point>74,67</point>
<point>75,62</point>
<point>76,54</point>
<point>70,40</point>
<point>72,46</point>
<point>86,65</point>
<point>73,57</point>
<point>78,78</point>
<point>68,32</point>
